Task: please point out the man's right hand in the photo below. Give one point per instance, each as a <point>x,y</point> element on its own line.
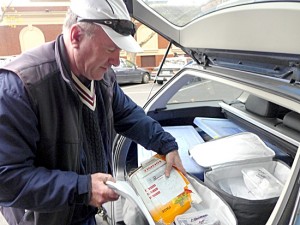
<point>100,192</point>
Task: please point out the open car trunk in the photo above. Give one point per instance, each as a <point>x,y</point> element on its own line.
<point>195,123</point>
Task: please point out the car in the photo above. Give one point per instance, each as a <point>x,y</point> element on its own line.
<point>127,72</point>
<point>170,67</point>
<point>235,111</point>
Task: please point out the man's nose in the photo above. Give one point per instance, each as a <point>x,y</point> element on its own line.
<point>115,59</point>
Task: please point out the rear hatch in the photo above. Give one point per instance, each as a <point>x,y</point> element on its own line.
<point>243,35</point>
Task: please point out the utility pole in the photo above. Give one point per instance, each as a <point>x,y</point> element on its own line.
<point>3,9</point>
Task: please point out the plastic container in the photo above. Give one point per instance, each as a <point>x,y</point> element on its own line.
<point>262,183</point>
<point>186,137</point>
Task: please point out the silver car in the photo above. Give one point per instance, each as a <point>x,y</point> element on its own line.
<point>235,111</point>
<point>170,66</point>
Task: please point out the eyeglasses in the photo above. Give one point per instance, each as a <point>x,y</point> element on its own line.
<point>124,27</point>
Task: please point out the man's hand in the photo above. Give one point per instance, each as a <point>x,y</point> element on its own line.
<point>173,159</point>
<point>100,192</point>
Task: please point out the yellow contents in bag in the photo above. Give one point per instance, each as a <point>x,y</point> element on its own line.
<point>165,198</point>
<point>167,213</point>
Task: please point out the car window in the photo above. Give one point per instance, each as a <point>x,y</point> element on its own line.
<point>124,63</point>
<point>181,12</point>
<point>121,65</point>
<point>129,64</point>
<point>199,90</point>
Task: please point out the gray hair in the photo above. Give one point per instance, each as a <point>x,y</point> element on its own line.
<point>71,19</point>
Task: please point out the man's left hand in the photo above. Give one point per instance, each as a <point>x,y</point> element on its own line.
<point>173,159</point>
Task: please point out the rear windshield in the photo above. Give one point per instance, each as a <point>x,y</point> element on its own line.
<point>182,12</point>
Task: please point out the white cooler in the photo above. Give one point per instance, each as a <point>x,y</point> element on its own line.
<point>242,169</point>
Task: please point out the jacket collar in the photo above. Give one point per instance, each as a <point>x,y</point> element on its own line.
<point>62,61</point>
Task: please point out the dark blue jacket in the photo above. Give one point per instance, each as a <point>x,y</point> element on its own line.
<point>41,134</point>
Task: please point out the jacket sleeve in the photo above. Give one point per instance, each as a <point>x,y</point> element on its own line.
<point>132,122</point>
<point>22,185</point>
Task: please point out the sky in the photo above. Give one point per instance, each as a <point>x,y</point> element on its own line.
<point>13,2</point>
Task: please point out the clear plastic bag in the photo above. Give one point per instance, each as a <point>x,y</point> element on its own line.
<point>262,183</point>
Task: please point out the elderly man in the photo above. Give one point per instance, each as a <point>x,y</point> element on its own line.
<point>59,107</point>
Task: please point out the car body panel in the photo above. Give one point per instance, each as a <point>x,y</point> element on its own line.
<point>203,32</point>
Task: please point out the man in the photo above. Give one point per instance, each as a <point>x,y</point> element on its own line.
<point>59,106</point>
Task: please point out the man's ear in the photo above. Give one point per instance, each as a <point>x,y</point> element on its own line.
<point>76,35</point>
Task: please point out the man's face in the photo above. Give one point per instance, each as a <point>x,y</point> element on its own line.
<point>95,54</point>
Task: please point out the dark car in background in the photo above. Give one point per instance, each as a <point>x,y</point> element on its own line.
<point>128,72</point>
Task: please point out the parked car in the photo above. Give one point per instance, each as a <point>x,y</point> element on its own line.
<point>240,100</point>
<point>128,72</point>
<point>170,67</point>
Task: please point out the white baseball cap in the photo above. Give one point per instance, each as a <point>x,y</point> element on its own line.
<point>112,16</point>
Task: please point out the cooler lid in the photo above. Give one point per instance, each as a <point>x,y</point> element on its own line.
<point>235,148</point>
<point>124,189</point>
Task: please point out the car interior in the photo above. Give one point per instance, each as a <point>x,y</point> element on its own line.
<point>225,111</point>
<point>279,127</point>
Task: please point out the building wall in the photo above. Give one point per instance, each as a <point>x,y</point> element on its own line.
<point>9,40</point>
<point>44,24</point>
<point>10,37</point>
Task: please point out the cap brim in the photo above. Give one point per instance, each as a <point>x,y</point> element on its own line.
<point>127,43</point>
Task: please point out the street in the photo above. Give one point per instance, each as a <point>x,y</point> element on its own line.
<point>137,92</point>
<point>140,93</point>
